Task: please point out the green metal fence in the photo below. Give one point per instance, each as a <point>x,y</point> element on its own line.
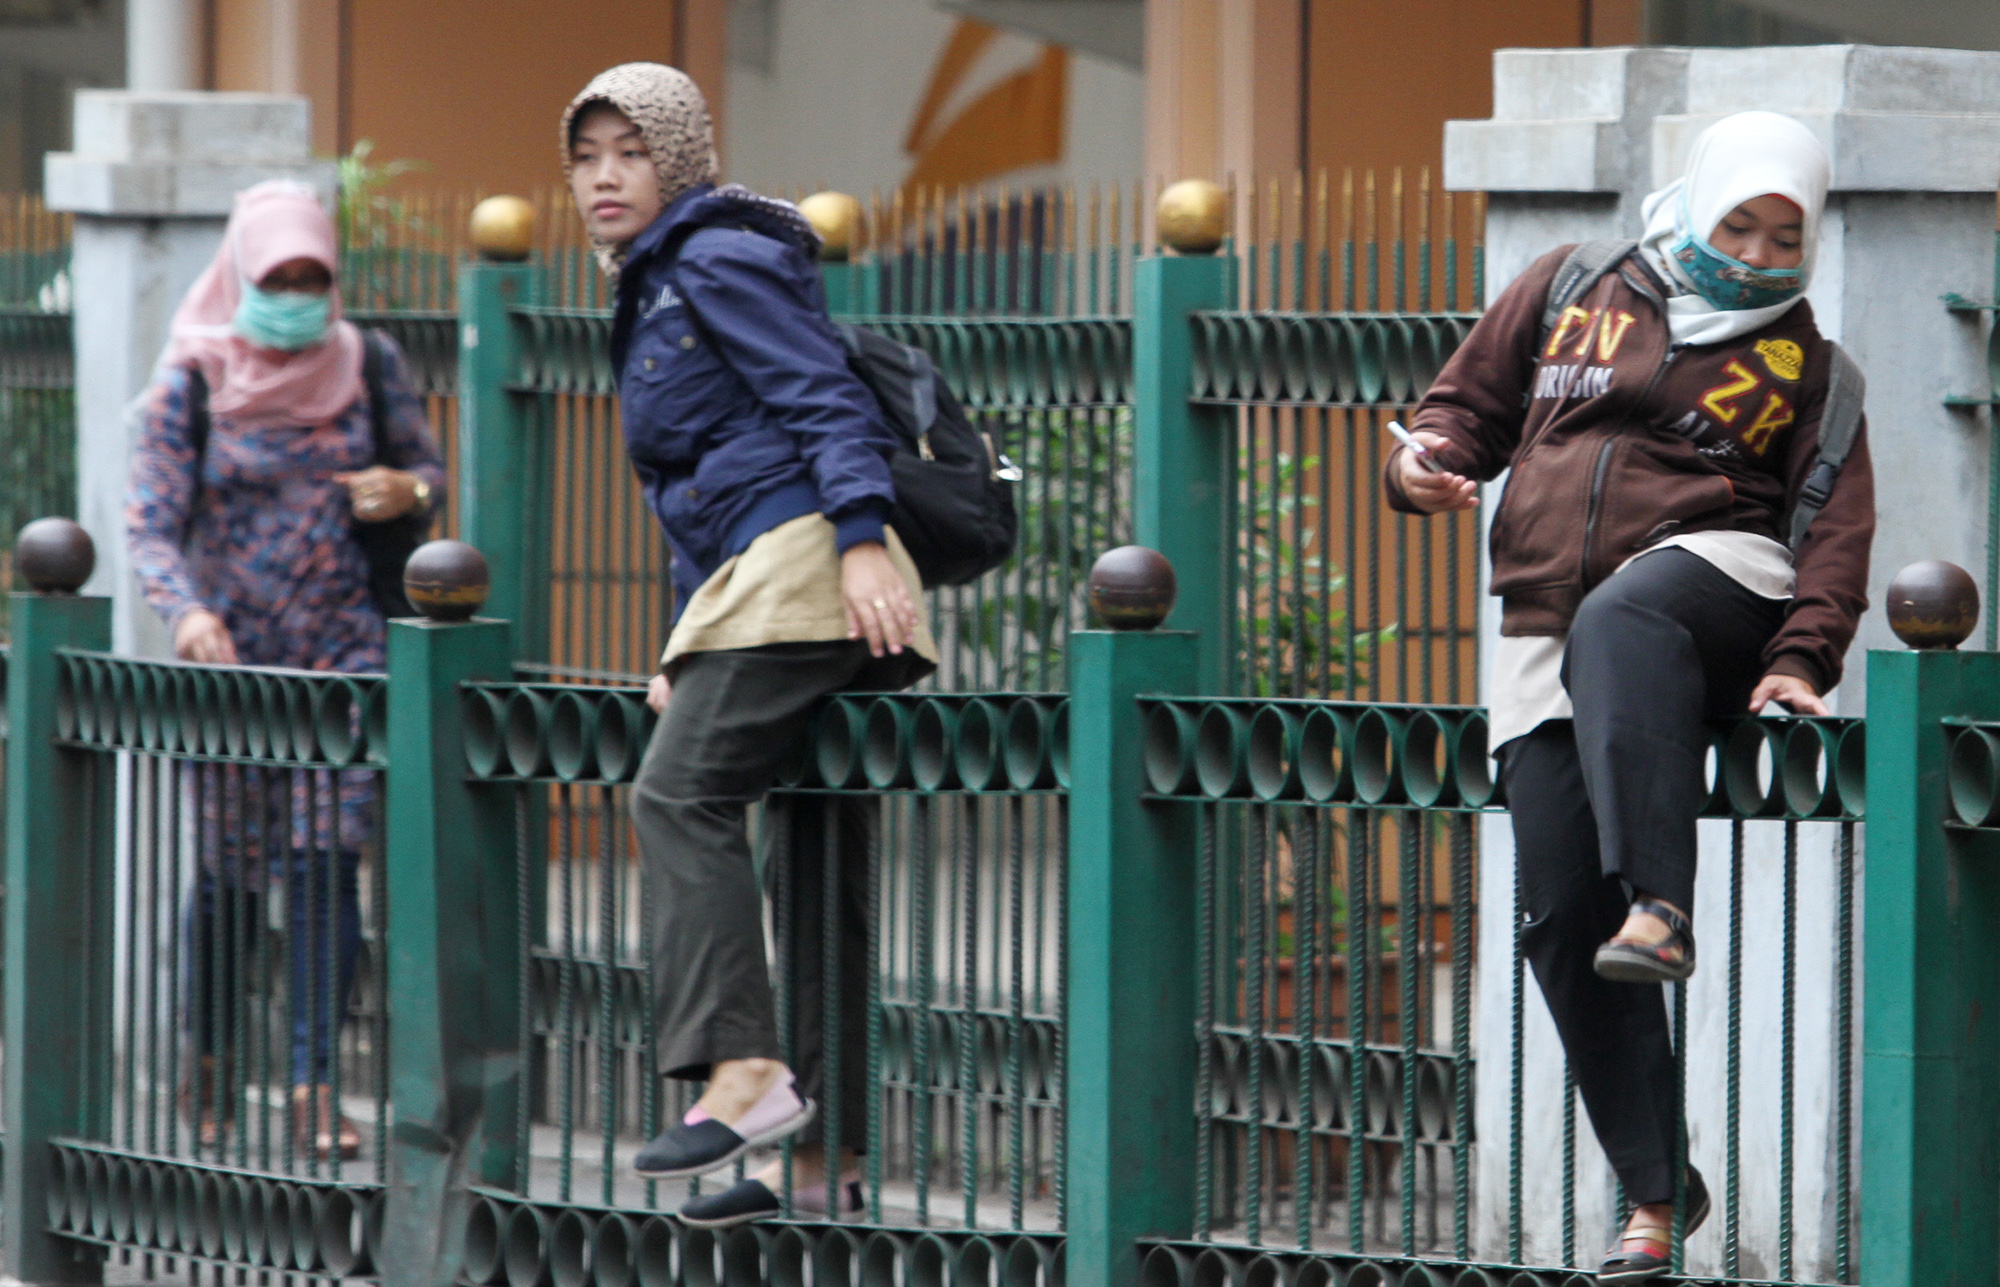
<point>962,997</point>
<point>1158,988</point>
<point>1335,1095</point>
<point>216,924</point>
<point>37,375</point>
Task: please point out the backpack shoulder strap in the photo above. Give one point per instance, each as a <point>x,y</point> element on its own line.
<point>1839,425</point>
<point>1577,274</point>
<point>197,396</point>
<point>378,393</point>
<point>197,409</point>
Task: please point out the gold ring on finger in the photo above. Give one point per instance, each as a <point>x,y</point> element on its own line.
<point>881,604</point>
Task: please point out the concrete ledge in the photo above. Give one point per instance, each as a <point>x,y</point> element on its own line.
<point>141,189</point>
<point>1872,151</point>
<point>1534,156</point>
<point>228,128</point>
<point>1608,120</point>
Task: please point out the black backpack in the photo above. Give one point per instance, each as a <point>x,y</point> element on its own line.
<point>387,544</point>
<point>954,488</point>
<point>954,505</point>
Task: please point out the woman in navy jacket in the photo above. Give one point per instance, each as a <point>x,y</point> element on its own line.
<point>765,460</point>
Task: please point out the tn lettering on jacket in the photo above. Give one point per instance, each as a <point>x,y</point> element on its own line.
<point>1591,337</point>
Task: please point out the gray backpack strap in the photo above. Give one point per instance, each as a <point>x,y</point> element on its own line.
<point>1573,280</point>
<point>1839,425</point>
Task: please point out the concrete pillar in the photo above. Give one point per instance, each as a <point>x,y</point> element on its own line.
<point>150,182</point>
<point>1576,140</point>
<point>163,41</point>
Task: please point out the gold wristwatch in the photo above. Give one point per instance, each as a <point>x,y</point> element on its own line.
<point>423,494</point>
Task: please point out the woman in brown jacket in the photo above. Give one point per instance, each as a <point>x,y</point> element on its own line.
<point>1659,432</point>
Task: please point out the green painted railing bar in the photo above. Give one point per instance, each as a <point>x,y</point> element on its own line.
<point>1131,993</point>
<point>453,926</point>
<point>59,899</point>
<point>1930,1157</point>
<point>502,481</point>
<point>1181,470</point>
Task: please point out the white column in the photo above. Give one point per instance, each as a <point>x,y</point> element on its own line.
<point>150,182</point>
<point>1577,138</point>
<point>163,45</point>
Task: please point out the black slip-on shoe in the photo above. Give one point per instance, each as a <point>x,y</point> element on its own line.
<point>704,1146</point>
<point>740,1203</point>
<point>753,1200</point>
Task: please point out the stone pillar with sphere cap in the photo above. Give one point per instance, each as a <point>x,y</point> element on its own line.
<point>836,217</point>
<point>151,178</point>
<point>1183,454</point>
<point>59,901</point>
<point>1130,1072</point>
<point>1929,1166</point>
<point>1576,140</point>
<point>503,453</point>
<point>453,929</point>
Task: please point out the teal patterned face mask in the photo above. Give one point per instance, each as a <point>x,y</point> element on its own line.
<point>288,320</point>
<point>1727,282</point>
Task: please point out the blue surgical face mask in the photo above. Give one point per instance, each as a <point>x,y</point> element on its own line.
<point>1729,283</point>
<point>283,319</point>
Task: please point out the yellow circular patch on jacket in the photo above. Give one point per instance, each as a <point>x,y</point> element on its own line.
<point>1786,359</point>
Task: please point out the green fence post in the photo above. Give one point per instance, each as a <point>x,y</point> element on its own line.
<point>1182,466</point>
<point>1930,1066</point>
<point>839,277</point>
<point>504,495</point>
<point>453,940</point>
<point>58,926</point>
<point>1130,1008</point>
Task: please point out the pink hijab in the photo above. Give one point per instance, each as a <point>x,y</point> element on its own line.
<point>273,222</point>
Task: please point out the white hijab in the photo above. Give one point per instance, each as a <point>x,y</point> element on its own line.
<point>1750,154</point>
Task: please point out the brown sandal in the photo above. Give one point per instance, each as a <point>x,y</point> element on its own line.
<point>205,1102</point>
<point>316,1132</point>
<point>1646,1251</point>
<point>1671,960</point>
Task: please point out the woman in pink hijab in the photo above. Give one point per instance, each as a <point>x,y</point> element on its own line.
<point>261,448</point>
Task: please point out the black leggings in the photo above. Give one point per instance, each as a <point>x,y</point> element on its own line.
<point>1606,803</point>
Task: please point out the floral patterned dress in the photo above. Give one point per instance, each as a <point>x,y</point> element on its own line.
<point>266,542</point>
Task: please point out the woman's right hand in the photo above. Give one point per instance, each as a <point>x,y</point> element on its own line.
<point>201,636</point>
<point>657,690</point>
<point>1433,492</point>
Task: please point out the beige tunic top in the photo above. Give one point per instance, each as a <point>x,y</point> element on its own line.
<point>1527,669</point>
<point>785,588</point>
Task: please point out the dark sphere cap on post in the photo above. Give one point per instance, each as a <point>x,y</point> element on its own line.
<point>1933,604</point>
<point>54,556</point>
<point>1132,587</point>
<point>447,580</point>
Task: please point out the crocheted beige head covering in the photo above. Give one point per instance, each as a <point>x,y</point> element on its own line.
<point>672,116</point>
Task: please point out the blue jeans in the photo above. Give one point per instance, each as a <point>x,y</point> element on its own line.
<point>323,939</point>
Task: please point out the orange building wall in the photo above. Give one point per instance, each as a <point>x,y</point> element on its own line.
<point>480,104</point>
<point>1387,74</point>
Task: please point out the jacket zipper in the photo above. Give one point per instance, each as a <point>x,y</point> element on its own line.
<point>1601,470</point>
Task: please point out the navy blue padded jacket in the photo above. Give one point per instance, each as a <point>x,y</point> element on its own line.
<point>740,410</point>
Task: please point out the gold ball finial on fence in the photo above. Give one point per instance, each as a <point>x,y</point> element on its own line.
<point>1933,604</point>
<point>447,580</point>
<point>1194,217</point>
<point>54,556</point>
<point>836,217</point>
<point>1133,587</point>
<point>503,229</point>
